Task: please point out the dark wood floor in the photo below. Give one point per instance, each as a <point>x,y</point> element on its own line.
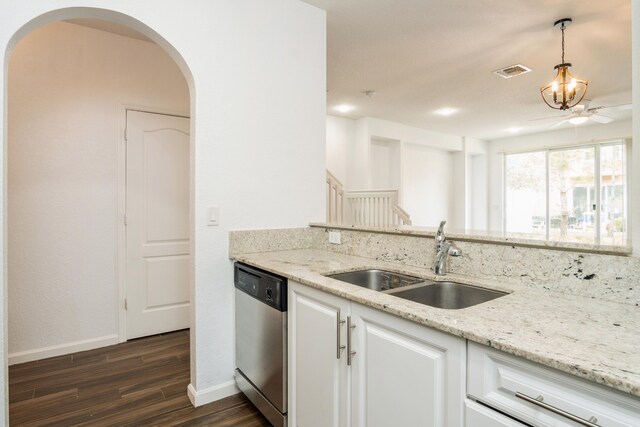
<point>138,383</point>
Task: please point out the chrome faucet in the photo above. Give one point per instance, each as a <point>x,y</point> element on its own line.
<point>444,248</point>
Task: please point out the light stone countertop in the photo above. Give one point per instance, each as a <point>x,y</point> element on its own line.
<point>592,339</point>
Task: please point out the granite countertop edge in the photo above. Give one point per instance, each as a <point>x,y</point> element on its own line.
<point>590,332</point>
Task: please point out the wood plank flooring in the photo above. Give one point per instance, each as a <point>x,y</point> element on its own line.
<point>138,383</point>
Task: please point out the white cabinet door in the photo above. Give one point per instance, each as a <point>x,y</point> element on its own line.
<point>402,373</point>
<point>317,377</point>
<point>405,374</point>
<point>481,416</point>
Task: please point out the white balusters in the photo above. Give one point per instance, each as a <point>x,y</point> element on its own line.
<point>372,208</point>
<point>335,200</point>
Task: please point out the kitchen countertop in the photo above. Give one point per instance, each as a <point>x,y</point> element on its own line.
<point>592,339</point>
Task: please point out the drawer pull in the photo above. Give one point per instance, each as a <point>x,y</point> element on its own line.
<point>538,401</point>
<point>350,353</point>
<point>339,345</point>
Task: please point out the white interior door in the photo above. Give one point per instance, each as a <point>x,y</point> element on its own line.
<point>157,224</point>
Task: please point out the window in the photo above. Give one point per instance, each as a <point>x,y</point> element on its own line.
<point>575,194</point>
<point>526,193</point>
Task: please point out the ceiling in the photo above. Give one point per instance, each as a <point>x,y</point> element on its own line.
<point>422,55</point>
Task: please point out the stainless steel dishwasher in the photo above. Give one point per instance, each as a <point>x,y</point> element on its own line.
<point>261,340</point>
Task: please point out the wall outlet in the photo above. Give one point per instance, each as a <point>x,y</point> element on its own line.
<point>334,237</point>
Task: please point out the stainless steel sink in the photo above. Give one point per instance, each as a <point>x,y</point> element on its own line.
<point>448,295</point>
<point>378,280</point>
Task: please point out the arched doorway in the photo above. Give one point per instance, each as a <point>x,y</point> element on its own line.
<point>59,118</point>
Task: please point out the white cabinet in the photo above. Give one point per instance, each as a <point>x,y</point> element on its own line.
<point>401,373</point>
<point>477,415</point>
<point>541,396</point>
<point>317,370</point>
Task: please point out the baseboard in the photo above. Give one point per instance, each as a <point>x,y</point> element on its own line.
<point>211,394</point>
<point>61,349</point>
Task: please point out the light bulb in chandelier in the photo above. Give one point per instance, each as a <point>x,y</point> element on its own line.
<point>565,91</point>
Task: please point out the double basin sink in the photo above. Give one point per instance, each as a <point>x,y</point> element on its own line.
<point>442,294</point>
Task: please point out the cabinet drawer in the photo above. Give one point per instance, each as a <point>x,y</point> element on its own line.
<point>476,415</point>
<point>504,382</point>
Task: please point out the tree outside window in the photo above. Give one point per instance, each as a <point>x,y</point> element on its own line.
<point>575,194</point>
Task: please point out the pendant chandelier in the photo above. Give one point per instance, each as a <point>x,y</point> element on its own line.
<point>565,91</point>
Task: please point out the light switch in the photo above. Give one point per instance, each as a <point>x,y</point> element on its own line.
<point>213,215</point>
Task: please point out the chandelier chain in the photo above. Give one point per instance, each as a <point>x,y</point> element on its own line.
<point>563,42</point>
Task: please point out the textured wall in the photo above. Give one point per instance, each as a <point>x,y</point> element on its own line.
<point>66,83</point>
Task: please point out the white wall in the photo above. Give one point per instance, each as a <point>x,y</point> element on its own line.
<point>340,132</point>
<point>427,184</point>
<point>572,136</point>
<point>385,164</point>
<point>359,172</point>
<point>635,152</point>
<point>358,175</point>
<point>65,86</point>
<point>256,71</point>
<point>476,201</point>
<point>459,192</point>
<point>473,146</point>
<point>392,130</point>
<point>477,179</point>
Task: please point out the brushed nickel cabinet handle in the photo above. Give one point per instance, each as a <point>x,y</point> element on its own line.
<point>539,401</point>
<point>339,346</point>
<point>350,353</point>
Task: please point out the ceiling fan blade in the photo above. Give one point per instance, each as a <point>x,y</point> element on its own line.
<point>623,107</point>
<point>560,123</point>
<point>550,118</point>
<point>599,118</point>
<point>619,107</point>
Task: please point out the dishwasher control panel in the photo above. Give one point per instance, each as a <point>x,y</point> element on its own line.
<point>266,287</point>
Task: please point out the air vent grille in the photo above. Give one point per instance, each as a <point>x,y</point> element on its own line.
<point>512,71</point>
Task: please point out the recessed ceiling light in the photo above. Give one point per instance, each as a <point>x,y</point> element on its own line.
<point>514,129</point>
<point>446,111</point>
<point>344,108</point>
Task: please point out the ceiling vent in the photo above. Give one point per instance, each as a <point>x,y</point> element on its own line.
<point>512,71</point>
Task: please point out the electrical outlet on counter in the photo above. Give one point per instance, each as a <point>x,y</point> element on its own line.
<point>334,237</point>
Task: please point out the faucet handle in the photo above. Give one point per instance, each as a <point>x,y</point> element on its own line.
<point>440,234</point>
<point>454,250</point>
